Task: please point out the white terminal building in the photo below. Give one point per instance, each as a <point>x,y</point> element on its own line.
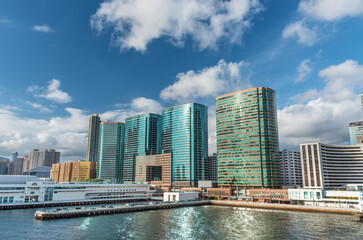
<point>350,197</point>
<point>30,189</point>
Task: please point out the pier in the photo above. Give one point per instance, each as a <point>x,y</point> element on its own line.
<point>112,209</point>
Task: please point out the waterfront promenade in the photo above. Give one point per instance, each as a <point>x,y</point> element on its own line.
<point>289,207</point>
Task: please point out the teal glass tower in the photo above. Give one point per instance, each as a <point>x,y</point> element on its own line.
<point>247,139</point>
<point>185,135</point>
<point>111,150</point>
<point>143,137</point>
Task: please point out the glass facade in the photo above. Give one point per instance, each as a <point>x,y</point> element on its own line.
<point>143,137</point>
<point>111,150</point>
<point>247,138</point>
<point>185,135</point>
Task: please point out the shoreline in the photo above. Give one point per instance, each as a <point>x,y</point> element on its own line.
<point>286,207</point>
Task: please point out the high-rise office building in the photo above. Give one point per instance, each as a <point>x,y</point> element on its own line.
<point>331,166</point>
<point>212,167</point>
<point>111,150</point>
<point>356,133</point>
<point>142,137</point>
<point>185,135</point>
<point>291,168</point>
<point>93,138</point>
<point>247,139</point>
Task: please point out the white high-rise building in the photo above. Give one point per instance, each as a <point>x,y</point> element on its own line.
<point>291,168</point>
<point>331,166</point>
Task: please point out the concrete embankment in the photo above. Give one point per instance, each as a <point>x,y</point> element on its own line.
<point>285,207</point>
<point>112,209</point>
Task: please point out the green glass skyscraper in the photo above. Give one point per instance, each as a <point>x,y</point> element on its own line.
<point>143,137</point>
<point>185,135</point>
<point>111,150</point>
<point>247,139</point>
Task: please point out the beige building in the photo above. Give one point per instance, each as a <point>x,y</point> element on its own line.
<point>155,169</point>
<point>73,171</point>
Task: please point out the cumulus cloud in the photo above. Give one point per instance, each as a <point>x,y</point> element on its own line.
<point>136,23</point>
<point>301,32</point>
<point>208,82</point>
<point>331,10</point>
<point>67,134</point>
<point>324,115</point>
<point>43,28</point>
<point>52,92</point>
<point>303,69</point>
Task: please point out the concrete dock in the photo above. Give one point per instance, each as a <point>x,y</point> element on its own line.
<point>112,209</point>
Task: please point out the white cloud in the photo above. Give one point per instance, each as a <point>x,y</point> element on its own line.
<point>320,11</point>
<point>300,31</point>
<point>325,115</point>
<point>303,69</point>
<point>38,106</point>
<point>136,23</point>
<point>43,28</point>
<point>331,10</point>
<point>137,106</point>
<point>208,82</point>
<point>52,92</point>
<point>66,134</point>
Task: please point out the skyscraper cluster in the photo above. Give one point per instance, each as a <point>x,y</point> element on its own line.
<point>181,131</point>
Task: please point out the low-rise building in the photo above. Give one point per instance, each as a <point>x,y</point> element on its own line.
<point>30,189</point>
<point>40,172</point>
<point>180,196</point>
<point>269,195</point>
<point>326,198</point>
<point>73,171</point>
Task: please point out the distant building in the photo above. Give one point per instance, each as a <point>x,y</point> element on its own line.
<point>93,138</point>
<point>356,133</point>
<point>291,168</point>
<point>13,157</point>
<point>142,137</point>
<point>41,158</point>
<point>247,139</point>
<point>18,168</point>
<point>111,150</point>
<point>212,167</point>
<point>331,166</point>
<point>4,165</point>
<point>154,169</point>
<point>26,163</point>
<point>40,172</point>
<point>73,171</point>
<point>185,135</point>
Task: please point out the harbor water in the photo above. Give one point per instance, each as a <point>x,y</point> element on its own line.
<point>202,222</point>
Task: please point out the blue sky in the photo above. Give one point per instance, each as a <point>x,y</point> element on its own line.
<point>61,61</point>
